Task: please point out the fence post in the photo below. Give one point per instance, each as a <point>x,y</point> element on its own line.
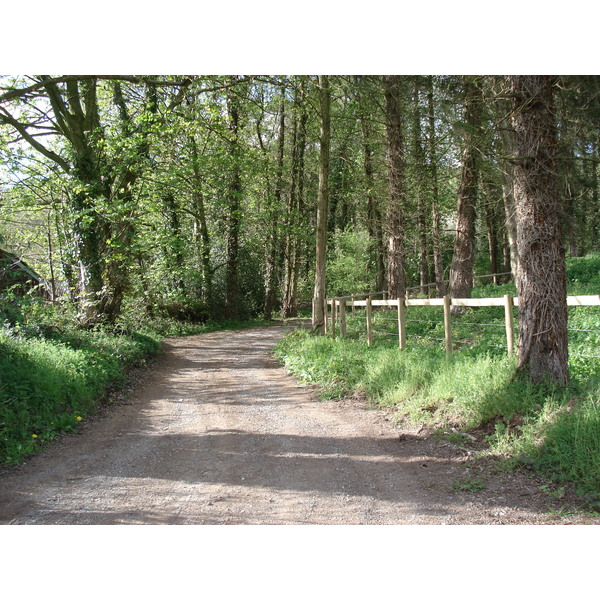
<point>447,326</point>
<point>401,324</point>
<point>369,323</point>
<point>333,316</point>
<point>343,316</point>
<point>325,317</point>
<point>510,324</point>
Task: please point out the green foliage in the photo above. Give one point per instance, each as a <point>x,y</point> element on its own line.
<point>50,382</point>
<point>348,264</point>
<point>467,485</point>
<point>583,273</point>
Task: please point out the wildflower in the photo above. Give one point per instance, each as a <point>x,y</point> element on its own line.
<point>78,418</point>
<point>33,435</point>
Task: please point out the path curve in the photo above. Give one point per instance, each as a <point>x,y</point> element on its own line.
<point>218,433</point>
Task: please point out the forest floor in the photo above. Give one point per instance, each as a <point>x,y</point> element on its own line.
<point>215,432</point>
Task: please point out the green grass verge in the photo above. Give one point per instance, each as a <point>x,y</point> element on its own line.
<point>49,384</point>
<point>53,374</point>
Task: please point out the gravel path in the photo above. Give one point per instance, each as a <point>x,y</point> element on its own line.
<point>217,433</point>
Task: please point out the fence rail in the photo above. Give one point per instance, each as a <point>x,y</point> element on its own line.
<point>340,304</point>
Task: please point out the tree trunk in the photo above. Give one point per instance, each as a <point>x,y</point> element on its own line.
<point>438,264</point>
<point>492,230</point>
<point>595,208</point>
<point>461,270</point>
<point>201,224</point>
<point>374,229</point>
<point>234,192</point>
<point>419,167</point>
<point>396,282</point>
<point>273,241</point>
<point>510,215</point>
<point>318,304</point>
<point>173,249</point>
<point>295,210</point>
<point>541,282</point>
<point>508,197</point>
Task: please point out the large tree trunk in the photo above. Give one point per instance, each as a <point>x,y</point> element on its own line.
<point>319,297</point>
<point>461,270</point>
<point>541,282</point>
<point>397,190</point>
<point>595,208</point>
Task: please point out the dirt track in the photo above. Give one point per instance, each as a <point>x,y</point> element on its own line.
<point>218,434</point>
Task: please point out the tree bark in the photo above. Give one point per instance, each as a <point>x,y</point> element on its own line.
<point>461,270</point>
<point>508,197</point>
<point>541,282</point>
<point>396,282</point>
<point>374,228</point>
<point>419,170</point>
<point>490,214</point>
<point>318,304</point>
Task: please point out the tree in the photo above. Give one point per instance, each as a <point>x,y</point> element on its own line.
<point>295,207</point>
<point>461,270</point>
<point>319,298</point>
<point>396,282</point>
<point>418,176</point>
<point>438,264</point>
<point>273,209</point>
<point>234,200</point>
<point>366,101</point>
<point>541,282</point>
<point>102,159</point>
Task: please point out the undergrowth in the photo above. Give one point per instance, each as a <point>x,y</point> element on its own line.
<point>53,373</point>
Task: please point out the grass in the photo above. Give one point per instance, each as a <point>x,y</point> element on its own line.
<point>554,431</point>
<point>467,485</point>
<point>49,384</point>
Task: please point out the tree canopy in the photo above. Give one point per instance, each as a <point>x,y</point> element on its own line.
<point>203,197</point>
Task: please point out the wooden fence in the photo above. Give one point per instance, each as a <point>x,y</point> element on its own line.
<point>340,305</point>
